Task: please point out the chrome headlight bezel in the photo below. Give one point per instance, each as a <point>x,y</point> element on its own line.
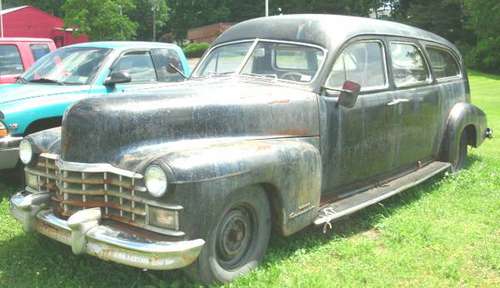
<point>26,152</point>
<point>156,180</point>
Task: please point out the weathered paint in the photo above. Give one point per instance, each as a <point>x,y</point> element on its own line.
<point>217,135</point>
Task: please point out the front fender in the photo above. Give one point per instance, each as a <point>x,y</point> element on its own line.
<point>289,170</point>
<point>462,116</point>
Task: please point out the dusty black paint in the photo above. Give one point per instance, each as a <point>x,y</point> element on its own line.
<point>220,134</point>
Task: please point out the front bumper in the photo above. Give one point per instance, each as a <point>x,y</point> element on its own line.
<point>9,152</point>
<point>83,232</point>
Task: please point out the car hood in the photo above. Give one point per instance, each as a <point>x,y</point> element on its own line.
<point>104,130</point>
<point>16,92</point>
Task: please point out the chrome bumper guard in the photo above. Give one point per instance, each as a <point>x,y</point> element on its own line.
<point>85,235</point>
<point>9,152</point>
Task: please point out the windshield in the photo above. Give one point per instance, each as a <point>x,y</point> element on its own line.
<point>67,66</point>
<point>293,62</point>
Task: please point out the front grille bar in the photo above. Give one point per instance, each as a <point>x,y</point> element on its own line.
<point>79,186</point>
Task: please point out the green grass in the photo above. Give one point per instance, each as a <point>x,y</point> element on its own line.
<point>445,232</point>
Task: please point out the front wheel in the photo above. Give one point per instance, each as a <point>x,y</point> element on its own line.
<point>238,241</point>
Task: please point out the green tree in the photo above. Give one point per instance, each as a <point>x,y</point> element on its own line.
<point>184,15</point>
<point>101,19</point>
<point>143,13</point>
<point>445,18</point>
<point>484,20</point>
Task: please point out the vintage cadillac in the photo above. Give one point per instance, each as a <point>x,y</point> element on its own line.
<point>286,122</point>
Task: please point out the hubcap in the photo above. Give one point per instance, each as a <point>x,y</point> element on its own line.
<point>234,237</point>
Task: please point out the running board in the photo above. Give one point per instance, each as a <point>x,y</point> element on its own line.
<point>358,201</point>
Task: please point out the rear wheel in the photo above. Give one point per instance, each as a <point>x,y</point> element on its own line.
<point>459,162</point>
<point>238,241</point>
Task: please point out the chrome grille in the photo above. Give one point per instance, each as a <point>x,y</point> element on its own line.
<point>76,190</point>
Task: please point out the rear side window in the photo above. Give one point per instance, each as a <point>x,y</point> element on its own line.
<point>363,63</point>
<point>408,65</point>
<point>443,63</point>
<point>39,50</point>
<point>138,65</point>
<point>10,60</point>
<point>163,59</point>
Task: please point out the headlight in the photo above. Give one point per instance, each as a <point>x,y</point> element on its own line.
<point>25,151</point>
<point>156,180</point>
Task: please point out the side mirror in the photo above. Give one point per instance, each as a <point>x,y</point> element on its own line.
<point>118,77</point>
<point>349,94</point>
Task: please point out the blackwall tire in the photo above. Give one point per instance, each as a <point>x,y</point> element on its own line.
<point>459,161</point>
<point>238,241</point>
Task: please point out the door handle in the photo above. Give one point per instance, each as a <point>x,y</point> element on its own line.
<point>397,101</point>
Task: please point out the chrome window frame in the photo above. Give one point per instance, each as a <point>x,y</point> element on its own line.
<point>460,76</point>
<point>427,81</point>
<point>384,59</point>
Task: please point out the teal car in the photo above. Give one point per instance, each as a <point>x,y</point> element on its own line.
<point>41,95</point>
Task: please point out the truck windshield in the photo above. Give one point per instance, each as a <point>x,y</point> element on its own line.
<point>282,61</point>
<point>74,65</point>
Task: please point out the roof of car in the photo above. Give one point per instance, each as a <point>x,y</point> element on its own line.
<point>325,30</point>
<point>24,39</point>
<point>124,44</point>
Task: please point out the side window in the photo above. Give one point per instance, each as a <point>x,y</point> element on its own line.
<point>443,63</point>
<point>363,63</point>
<point>408,65</point>
<point>162,59</point>
<point>39,50</point>
<point>138,65</point>
<point>10,60</point>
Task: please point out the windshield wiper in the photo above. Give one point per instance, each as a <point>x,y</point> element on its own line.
<point>46,80</point>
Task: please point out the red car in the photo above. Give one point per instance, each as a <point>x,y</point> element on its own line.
<point>18,54</point>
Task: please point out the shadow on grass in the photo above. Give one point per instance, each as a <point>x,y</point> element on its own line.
<point>34,260</point>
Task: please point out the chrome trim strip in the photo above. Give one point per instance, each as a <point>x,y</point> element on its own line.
<point>90,167</point>
<point>95,168</point>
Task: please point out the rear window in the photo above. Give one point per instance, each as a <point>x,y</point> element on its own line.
<point>443,63</point>
<point>408,65</point>
<point>39,50</point>
<point>10,60</point>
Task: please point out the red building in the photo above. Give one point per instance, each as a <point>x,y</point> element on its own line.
<point>28,21</point>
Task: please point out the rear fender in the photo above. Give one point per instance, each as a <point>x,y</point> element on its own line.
<point>463,116</point>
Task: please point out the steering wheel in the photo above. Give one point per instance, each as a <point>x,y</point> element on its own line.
<point>294,76</point>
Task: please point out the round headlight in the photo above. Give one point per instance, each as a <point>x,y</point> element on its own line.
<point>156,180</point>
<point>25,152</point>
